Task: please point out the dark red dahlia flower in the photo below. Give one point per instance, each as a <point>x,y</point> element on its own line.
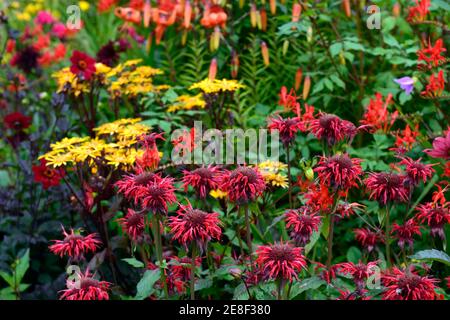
<point>303,222</point>
<point>85,287</point>
<point>280,260</point>
<point>332,129</point>
<point>17,121</point>
<point>203,180</point>
<point>405,233</point>
<point>416,171</point>
<point>133,224</point>
<point>441,147</point>
<point>435,215</point>
<point>287,128</point>
<point>339,171</point>
<point>82,65</point>
<point>243,184</point>
<point>134,186</point>
<point>408,285</point>
<point>75,245</point>
<point>368,239</point>
<point>49,177</point>
<point>26,59</point>
<point>359,272</point>
<point>387,187</point>
<point>195,225</point>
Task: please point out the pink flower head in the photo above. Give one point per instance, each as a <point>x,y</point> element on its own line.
<point>287,128</point>
<point>339,171</point>
<point>303,222</point>
<point>441,147</point>
<point>85,287</point>
<point>281,260</point>
<point>75,245</point>
<point>158,195</point>
<point>387,187</point>
<point>203,180</point>
<point>405,233</point>
<point>135,186</point>
<point>133,224</point>
<point>44,17</point>
<point>243,184</point>
<point>332,129</point>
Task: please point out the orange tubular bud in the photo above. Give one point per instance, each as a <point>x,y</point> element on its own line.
<point>253,18</point>
<point>273,6</point>
<point>215,39</point>
<point>212,69</point>
<point>147,13</point>
<point>265,53</point>
<point>187,14</point>
<point>396,10</point>
<point>347,8</point>
<point>306,87</point>
<point>234,64</point>
<point>298,79</point>
<point>263,19</point>
<point>296,12</point>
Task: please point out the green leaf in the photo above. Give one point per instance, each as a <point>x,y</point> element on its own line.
<point>201,284</point>
<point>433,255</point>
<point>8,278</point>
<point>306,284</point>
<point>4,178</point>
<point>22,266</point>
<point>354,254</point>
<point>240,293</point>
<point>314,238</point>
<point>145,285</point>
<point>335,48</point>
<point>389,24</point>
<point>134,262</point>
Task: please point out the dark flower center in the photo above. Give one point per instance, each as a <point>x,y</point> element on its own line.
<point>196,217</point>
<point>156,191</point>
<point>144,178</point>
<point>204,173</point>
<point>245,171</point>
<point>281,253</point>
<point>326,120</point>
<point>49,173</point>
<point>82,64</point>
<point>392,180</point>
<point>87,283</point>
<point>343,161</point>
<point>135,219</point>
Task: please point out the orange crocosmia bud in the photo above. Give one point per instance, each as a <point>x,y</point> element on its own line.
<point>273,6</point>
<point>296,12</point>
<point>396,10</point>
<point>253,17</point>
<point>263,15</point>
<point>212,69</point>
<point>306,87</point>
<point>147,13</point>
<point>298,79</point>
<point>347,8</point>
<point>265,53</point>
<point>10,45</point>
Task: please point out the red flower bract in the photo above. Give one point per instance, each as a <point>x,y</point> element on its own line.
<point>242,185</point>
<point>432,54</point>
<point>203,180</point>
<point>416,170</point>
<point>195,225</point>
<point>332,129</point>
<point>387,187</point>
<point>17,121</point>
<point>82,65</point>
<point>75,245</point>
<point>303,222</point>
<point>49,177</point>
<point>280,260</point>
<point>441,147</point>
<point>339,171</point>
<point>405,233</point>
<point>132,224</point>
<point>408,285</point>
<point>287,128</point>
<point>367,238</point>
<point>85,287</point>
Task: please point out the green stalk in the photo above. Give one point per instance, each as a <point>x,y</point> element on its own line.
<point>194,253</point>
<point>159,253</point>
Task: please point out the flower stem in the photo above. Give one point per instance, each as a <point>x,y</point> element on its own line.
<point>387,236</point>
<point>249,238</point>
<point>194,249</point>
<point>289,175</point>
<point>159,253</point>
<point>330,241</point>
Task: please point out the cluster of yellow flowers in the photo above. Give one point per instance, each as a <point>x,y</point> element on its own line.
<point>126,79</point>
<point>216,86</point>
<point>113,145</point>
<point>273,173</point>
<point>187,102</point>
<point>26,10</point>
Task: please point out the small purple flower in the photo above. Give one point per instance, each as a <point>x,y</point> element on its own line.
<point>406,83</point>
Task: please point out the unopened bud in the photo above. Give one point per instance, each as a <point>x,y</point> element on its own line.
<point>306,87</point>
<point>265,53</point>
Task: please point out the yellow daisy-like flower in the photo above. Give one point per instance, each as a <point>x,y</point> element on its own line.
<point>218,194</point>
<point>275,179</point>
<point>84,5</point>
<point>187,102</point>
<point>58,159</point>
<point>67,80</point>
<point>216,86</point>
<point>115,126</point>
<point>273,166</point>
<point>133,131</point>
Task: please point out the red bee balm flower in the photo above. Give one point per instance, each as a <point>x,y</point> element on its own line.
<point>367,239</point>
<point>195,225</point>
<point>405,233</point>
<point>82,65</point>
<point>287,128</point>
<point>75,245</point>
<point>339,171</point>
<point>203,180</point>
<point>243,184</point>
<point>85,287</point>
<point>281,260</point>
<point>132,224</point>
<point>158,195</point>
<point>416,170</point>
<point>303,222</point>
<point>17,121</point>
<point>360,272</point>
<point>436,216</point>
<point>441,147</point>
<point>49,177</point>
<point>408,285</point>
<point>332,129</point>
<point>387,187</point>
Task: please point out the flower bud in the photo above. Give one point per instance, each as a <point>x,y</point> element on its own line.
<point>306,87</point>
<point>265,53</point>
<point>298,79</point>
<point>396,10</point>
<point>147,13</point>
<point>309,173</point>
<point>212,69</point>
<point>347,8</point>
<point>273,6</point>
<point>253,17</point>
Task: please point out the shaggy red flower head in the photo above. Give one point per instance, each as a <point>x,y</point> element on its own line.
<point>82,65</point>
<point>303,222</point>
<point>419,12</point>
<point>359,272</point>
<point>367,238</point>
<point>243,184</point>
<point>133,224</point>
<point>355,295</point>
<point>281,260</point>
<point>377,115</point>
<point>75,245</point>
<point>17,121</point>
<point>405,233</point>
<point>158,195</point>
<point>432,54</point>
<point>332,129</point>
<point>195,225</point>
<point>325,273</point>
<point>435,215</point>
<point>408,285</point>
<point>135,186</point>
<point>416,171</point>
<point>203,180</point>
<point>85,287</point>
<point>339,171</point>
<point>345,209</point>
<point>441,147</point>
<point>287,128</point>
<point>49,177</point>
<point>435,86</point>
<point>387,187</point>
